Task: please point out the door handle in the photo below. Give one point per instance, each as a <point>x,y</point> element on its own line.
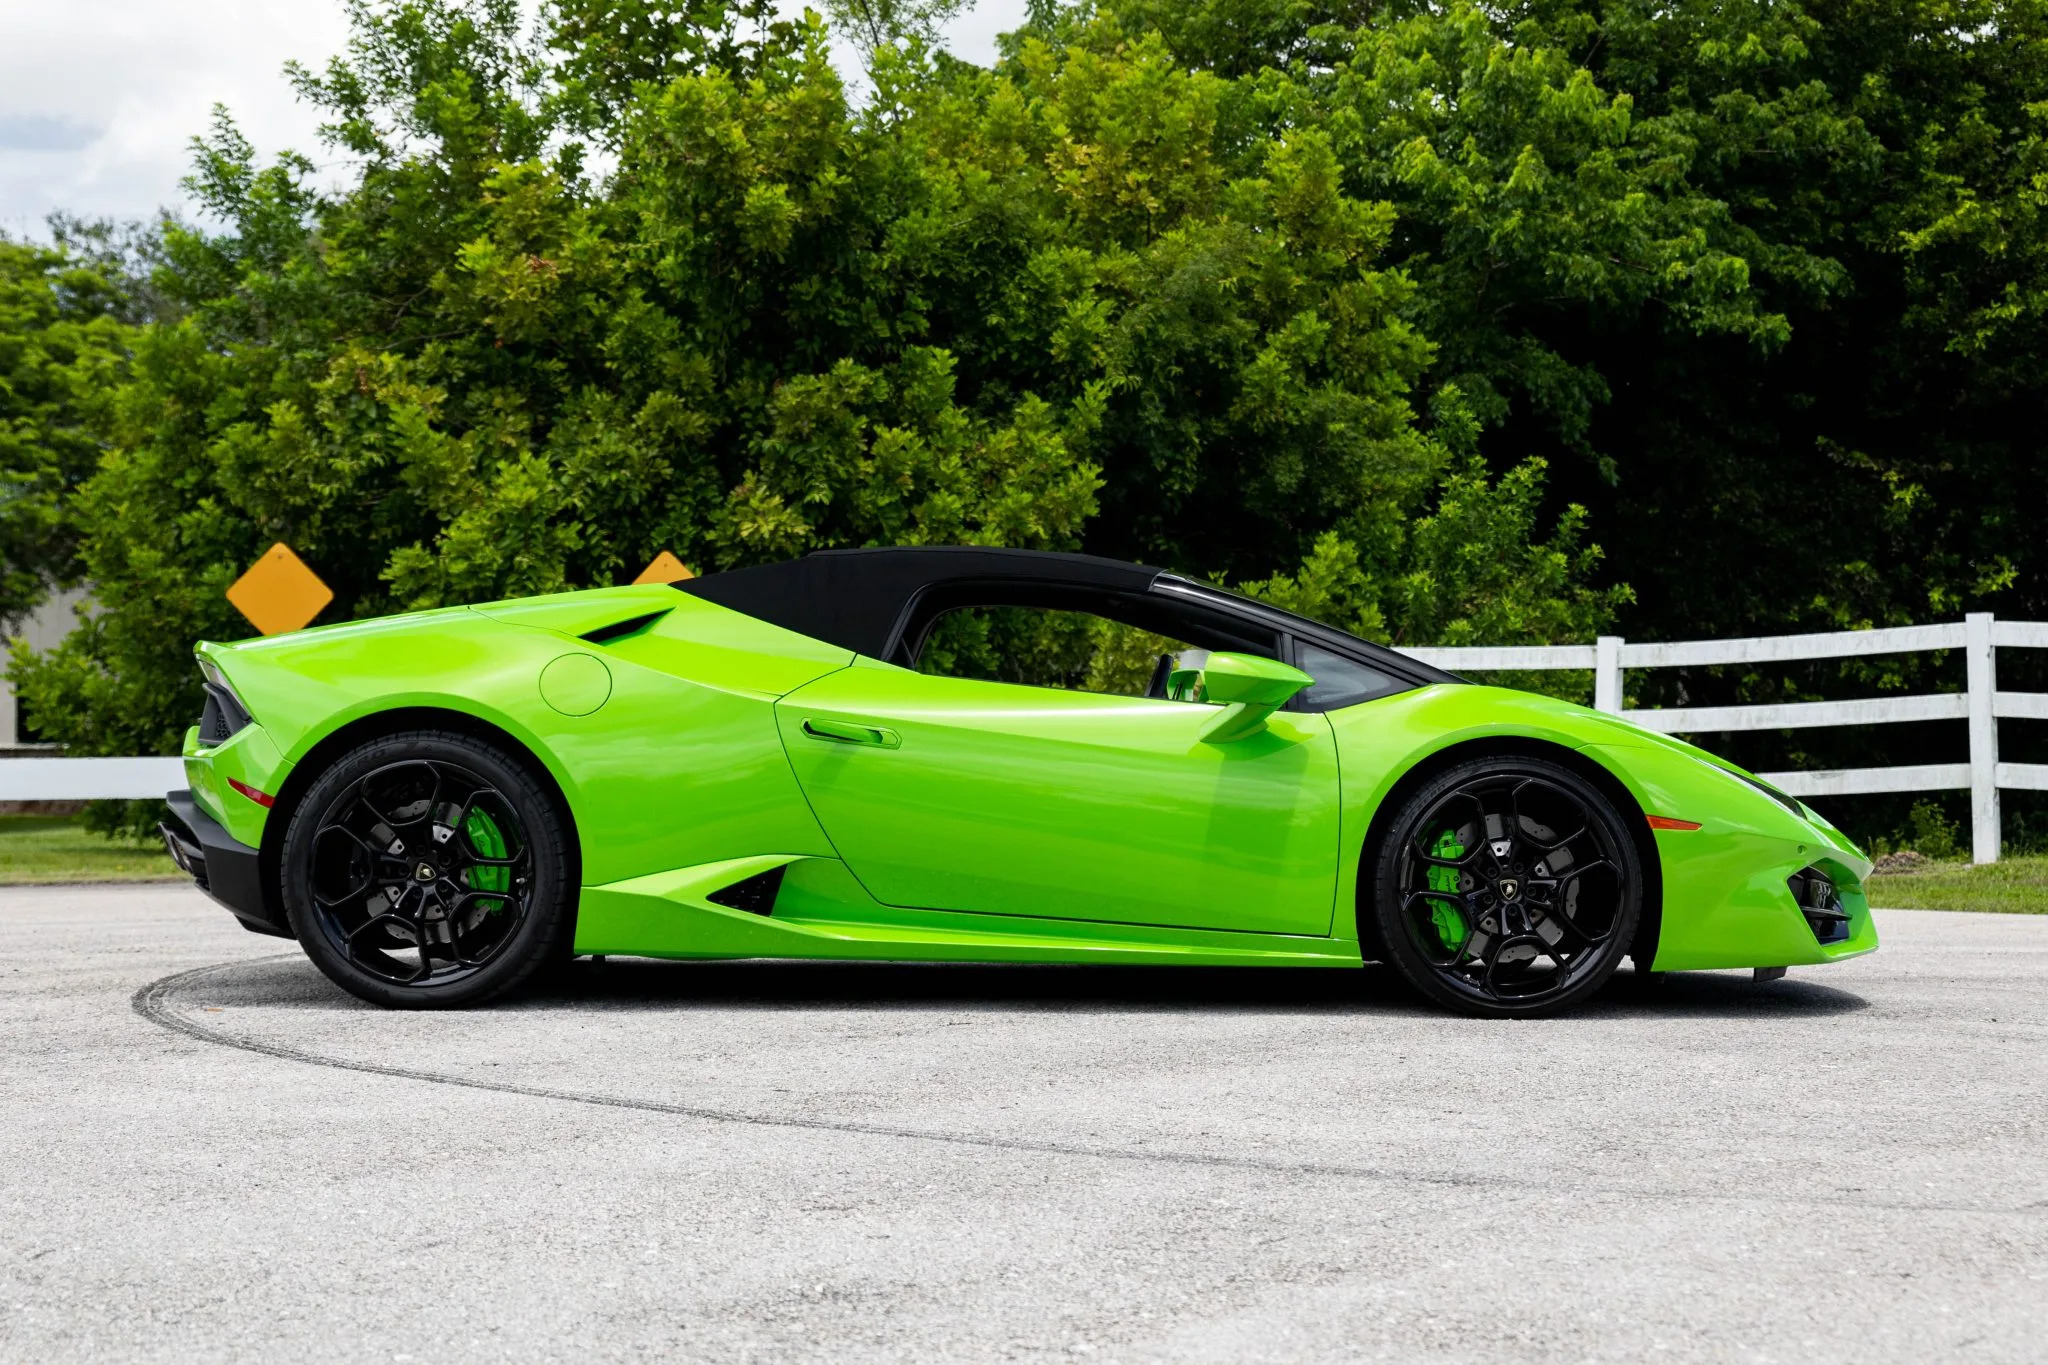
<point>848,732</point>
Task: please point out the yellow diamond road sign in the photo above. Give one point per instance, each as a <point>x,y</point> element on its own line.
<point>279,593</point>
<point>666,568</point>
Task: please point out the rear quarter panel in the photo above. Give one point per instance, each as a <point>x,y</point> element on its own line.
<point>680,764</point>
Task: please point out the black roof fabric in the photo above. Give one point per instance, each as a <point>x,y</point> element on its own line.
<point>856,598</point>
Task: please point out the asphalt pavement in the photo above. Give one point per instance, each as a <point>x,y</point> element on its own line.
<point>209,1154</point>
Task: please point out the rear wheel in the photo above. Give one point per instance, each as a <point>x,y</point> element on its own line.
<point>427,870</point>
<point>1507,887</point>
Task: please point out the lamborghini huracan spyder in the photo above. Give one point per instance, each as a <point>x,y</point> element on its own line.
<point>966,755</point>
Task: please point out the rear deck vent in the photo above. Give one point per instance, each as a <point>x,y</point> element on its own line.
<point>756,894</point>
<point>1821,903</point>
<point>619,630</point>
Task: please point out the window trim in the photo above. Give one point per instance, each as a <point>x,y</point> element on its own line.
<point>1398,668</point>
<point>1143,611</point>
<point>1194,608</point>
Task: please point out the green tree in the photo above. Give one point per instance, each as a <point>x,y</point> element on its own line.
<point>1083,300</point>
<point>1763,281</point>
<point>876,25</point>
<point>66,324</point>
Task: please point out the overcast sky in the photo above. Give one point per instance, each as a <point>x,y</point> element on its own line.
<point>98,98</point>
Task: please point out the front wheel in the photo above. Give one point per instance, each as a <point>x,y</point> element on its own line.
<point>1507,887</point>
<point>429,870</point>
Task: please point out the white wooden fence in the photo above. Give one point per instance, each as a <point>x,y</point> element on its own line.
<point>1979,635</point>
<point>1980,703</point>
<point>88,779</point>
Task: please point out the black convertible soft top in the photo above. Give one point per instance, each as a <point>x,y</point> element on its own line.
<point>858,598</point>
<point>879,602</point>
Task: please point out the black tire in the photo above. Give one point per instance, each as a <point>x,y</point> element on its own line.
<point>1505,888</point>
<point>430,870</point>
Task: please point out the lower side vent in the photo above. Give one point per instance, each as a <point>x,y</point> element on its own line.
<point>1821,903</point>
<point>755,895</point>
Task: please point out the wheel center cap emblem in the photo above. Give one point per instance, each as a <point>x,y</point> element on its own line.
<point>1510,889</point>
<point>423,872</point>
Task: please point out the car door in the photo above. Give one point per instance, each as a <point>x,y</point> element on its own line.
<point>960,793</point>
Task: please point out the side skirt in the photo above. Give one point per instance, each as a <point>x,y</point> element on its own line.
<point>820,911</point>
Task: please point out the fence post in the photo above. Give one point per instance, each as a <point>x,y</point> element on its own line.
<point>1985,834</point>
<point>1607,674</point>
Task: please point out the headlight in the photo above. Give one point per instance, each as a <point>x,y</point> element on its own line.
<point>1791,803</point>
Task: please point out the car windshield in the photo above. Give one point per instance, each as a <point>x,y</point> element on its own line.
<point>1237,601</point>
<point>1238,604</point>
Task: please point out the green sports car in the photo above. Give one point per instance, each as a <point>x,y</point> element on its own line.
<point>966,755</point>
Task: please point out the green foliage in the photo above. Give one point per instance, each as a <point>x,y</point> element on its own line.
<point>1477,570</point>
<point>66,315</point>
<point>1763,281</point>
<point>1379,312</point>
<point>1931,831</point>
<point>876,25</point>
<point>1075,301</point>
<point>1321,297</point>
<point>1474,571</point>
<point>1168,283</point>
<point>1045,648</point>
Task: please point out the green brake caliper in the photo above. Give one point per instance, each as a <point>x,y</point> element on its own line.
<point>1450,925</point>
<point>489,842</point>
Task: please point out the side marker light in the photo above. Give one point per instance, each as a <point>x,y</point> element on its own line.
<point>263,799</point>
<point>1666,822</point>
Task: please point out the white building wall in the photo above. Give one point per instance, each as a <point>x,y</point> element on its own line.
<point>43,629</point>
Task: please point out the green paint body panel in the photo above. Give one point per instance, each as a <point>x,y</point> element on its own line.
<point>945,819</point>
<point>1031,801</point>
<point>1724,884</point>
<point>673,770</point>
<point>824,912</point>
<point>249,757</point>
<point>1725,898</point>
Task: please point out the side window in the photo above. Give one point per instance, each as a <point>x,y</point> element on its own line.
<point>1340,681</point>
<point>1043,647</point>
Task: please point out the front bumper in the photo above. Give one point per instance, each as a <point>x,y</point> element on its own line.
<point>225,869</point>
<point>1728,896</point>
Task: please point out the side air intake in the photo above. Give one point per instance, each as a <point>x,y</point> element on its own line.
<point>756,895</point>
<point>619,630</point>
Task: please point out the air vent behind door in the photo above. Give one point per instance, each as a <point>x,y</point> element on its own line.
<point>756,894</point>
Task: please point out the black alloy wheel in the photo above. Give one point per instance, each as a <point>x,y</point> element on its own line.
<point>1507,887</point>
<point>428,869</point>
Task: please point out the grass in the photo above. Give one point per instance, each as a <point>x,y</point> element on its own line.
<point>42,850</point>
<point>2012,886</point>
